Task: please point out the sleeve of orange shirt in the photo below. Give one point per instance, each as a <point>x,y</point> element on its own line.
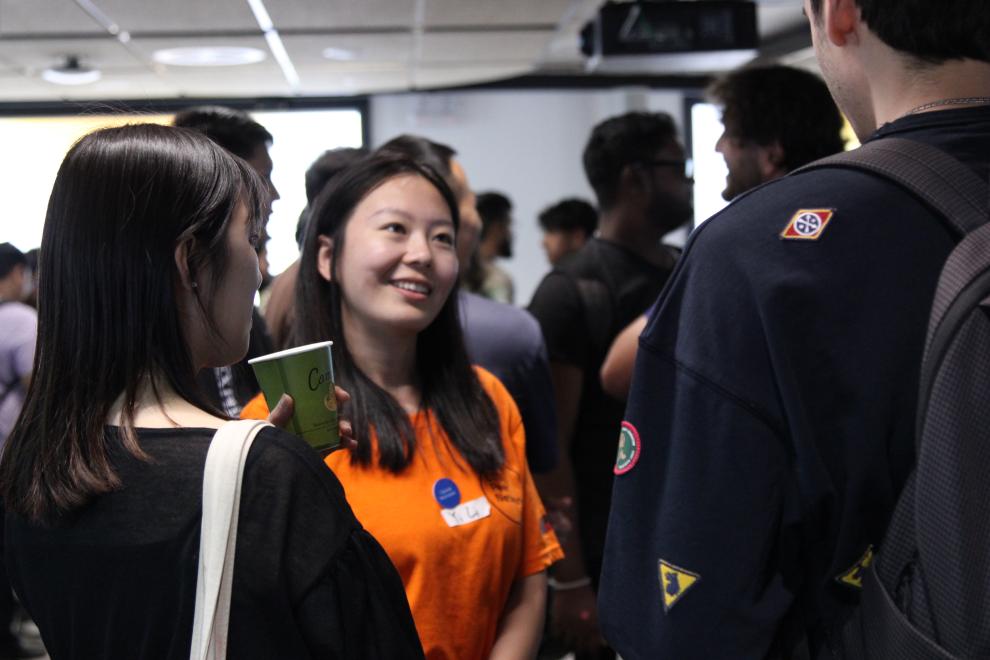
<point>256,408</point>
<point>540,545</point>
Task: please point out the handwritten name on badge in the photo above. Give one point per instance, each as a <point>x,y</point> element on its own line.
<point>468,512</point>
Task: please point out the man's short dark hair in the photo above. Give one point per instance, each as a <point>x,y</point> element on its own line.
<point>568,215</point>
<point>634,137</point>
<point>493,207</point>
<point>233,130</point>
<point>327,166</point>
<point>423,151</point>
<point>931,31</point>
<point>779,104</point>
<point>10,257</point>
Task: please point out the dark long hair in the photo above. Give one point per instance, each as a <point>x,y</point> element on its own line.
<point>450,389</point>
<point>124,198</point>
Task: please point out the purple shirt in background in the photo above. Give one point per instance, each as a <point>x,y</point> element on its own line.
<point>508,342</point>
<point>18,333</point>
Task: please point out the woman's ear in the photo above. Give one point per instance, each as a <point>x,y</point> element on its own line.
<point>186,280</point>
<point>324,257</point>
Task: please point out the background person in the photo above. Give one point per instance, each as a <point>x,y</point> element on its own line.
<point>484,276</point>
<point>102,477</point>
<point>280,311</point>
<point>18,332</point>
<point>567,226</point>
<point>636,166</point>
<point>776,120</point>
<point>230,387</point>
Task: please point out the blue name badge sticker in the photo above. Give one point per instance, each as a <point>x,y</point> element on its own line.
<point>446,493</point>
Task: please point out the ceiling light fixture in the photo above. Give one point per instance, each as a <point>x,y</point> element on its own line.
<point>208,56</point>
<point>275,43</point>
<point>71,72</point>
<point>338,54</point>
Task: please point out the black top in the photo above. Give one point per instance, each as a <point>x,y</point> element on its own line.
<point>773,406</point>
<point>581,306</point>
<point>117,579</point>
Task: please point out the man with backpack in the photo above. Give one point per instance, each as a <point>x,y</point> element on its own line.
<point>771,423</point>
<point>636,166</point>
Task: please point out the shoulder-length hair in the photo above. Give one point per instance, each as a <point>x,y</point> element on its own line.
<point>108,324</point>
<point>449,387</point>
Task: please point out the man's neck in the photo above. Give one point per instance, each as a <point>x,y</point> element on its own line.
<point>634,234</point>
<point>902,90</point>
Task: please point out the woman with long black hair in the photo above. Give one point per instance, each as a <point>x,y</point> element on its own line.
<point>148,275</point>
<point>439,473</point>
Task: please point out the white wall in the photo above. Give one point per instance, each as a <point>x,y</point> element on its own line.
<point>526,144</point>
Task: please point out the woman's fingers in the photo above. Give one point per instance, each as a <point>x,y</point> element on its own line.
<point>282,413</point>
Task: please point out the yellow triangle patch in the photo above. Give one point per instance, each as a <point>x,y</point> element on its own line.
<point>674,583</point>
<point>854,576</point>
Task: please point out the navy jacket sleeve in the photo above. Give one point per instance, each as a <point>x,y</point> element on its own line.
<point>690,568</point>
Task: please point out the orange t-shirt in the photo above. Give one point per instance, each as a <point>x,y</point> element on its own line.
<point>457,561</point>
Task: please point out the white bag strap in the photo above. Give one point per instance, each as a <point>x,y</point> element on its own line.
<point>218,536</point>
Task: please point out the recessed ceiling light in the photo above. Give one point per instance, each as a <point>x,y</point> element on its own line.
<point>208,56</point>
<point>338,54</point>
<point>71,73</point>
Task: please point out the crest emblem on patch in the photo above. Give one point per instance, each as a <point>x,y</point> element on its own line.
<point>629,448</point>
<point>674,583</point>
<point>807,224</point>
<point>853,576</point>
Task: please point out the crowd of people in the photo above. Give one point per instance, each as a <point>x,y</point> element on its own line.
<point>761,385</point>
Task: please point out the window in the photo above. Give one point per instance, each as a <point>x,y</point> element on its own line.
<point>35,147</point>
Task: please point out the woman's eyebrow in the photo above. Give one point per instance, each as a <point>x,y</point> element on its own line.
<point>393,211</point>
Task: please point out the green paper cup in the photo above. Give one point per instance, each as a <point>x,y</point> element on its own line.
<point>306,374</point>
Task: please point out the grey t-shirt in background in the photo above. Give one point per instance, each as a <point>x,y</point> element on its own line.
<point>18,333</point>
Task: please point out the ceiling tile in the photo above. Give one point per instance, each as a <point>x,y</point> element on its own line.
<point>24,17</point>
<point>187,16</point>
<point>492,46</point>
<point>445,76</point>
<point>365,48</point>
<point>101,53</point>
<point>341,14</point>
<point>503,12</point>
<point>319,81</point>
<point>251,80</point>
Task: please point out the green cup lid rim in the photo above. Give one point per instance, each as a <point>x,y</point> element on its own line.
<point>290,351</point>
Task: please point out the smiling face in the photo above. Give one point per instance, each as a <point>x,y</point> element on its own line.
<point>745,161</point>
<point>398,261</point>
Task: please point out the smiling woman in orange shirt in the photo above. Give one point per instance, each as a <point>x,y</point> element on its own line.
<point>439,474</point>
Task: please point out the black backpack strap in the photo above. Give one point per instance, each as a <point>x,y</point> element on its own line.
<point>880,631</point>
<point>946,185</point>
<point>925,579</point>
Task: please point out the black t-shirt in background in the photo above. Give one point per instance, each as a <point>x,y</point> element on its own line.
<point>581,306</point>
